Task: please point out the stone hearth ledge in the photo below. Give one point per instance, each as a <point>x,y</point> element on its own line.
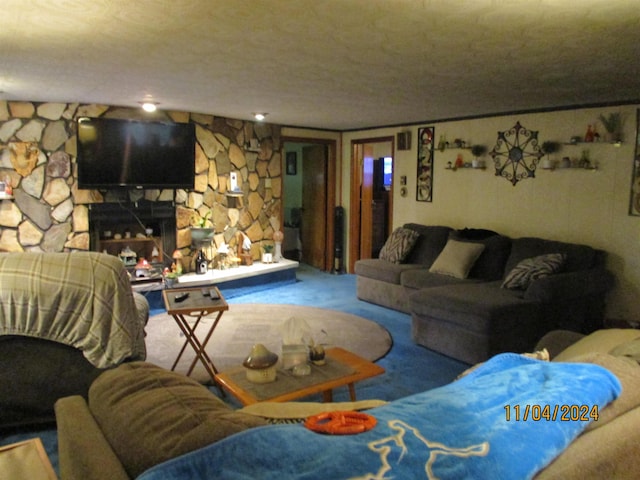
<point>236,273</point>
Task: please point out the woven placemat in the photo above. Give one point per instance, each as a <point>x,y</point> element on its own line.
<point>287,382</point>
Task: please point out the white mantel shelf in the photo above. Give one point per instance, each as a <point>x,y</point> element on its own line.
<point>236,273</point>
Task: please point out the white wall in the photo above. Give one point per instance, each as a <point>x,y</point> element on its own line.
<point>567,205</point>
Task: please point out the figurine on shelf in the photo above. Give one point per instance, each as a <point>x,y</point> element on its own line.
<point>143,268</point>
<point>244,248</point>
<point>584,161</point>
<point>176,266</point>
<point>128,257</point>
<point>442,144</point>
<point>589,136</point>
<point>267,256</point>
<point>201,263</point>
<point>278,237</point>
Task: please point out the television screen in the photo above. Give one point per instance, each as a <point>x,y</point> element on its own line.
<point>388,171</point>
<point>135,154</point>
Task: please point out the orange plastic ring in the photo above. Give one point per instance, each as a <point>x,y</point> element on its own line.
<point>340,423</point>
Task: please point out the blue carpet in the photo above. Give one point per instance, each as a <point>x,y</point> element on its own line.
<point>409,368</point>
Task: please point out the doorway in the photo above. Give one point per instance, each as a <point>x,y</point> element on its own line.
<point>309,195</point>
<point>371,210</point>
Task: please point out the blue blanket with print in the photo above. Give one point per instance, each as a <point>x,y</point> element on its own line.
<point>497,422</point>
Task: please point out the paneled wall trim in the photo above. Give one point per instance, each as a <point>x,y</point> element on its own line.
<point>49,213</point>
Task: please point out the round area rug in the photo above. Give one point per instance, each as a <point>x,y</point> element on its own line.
<point>244,325</point>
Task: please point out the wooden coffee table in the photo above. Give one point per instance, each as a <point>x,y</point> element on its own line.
<point>342,368</point>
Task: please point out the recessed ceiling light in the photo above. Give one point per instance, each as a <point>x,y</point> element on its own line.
<point>149,106</point>
<point>259,116</point>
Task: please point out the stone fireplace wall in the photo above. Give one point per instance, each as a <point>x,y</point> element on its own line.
<point>49,213</point>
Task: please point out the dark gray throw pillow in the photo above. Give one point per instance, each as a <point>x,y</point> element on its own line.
<point>399,245</point>
<point>533,268</point>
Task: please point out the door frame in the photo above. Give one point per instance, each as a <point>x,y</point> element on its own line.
<point>354,209</point>
<point>330,186</point>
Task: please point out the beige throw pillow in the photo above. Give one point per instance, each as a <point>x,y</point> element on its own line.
<point>457,258</point>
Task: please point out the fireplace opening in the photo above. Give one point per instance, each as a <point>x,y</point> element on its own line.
<point>135,230</point>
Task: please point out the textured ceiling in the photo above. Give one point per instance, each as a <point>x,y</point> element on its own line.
<point>331,64</point>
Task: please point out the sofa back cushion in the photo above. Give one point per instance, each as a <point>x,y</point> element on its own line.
<point>490,265</point>
<point>150,415</point>
<point>429,245</point>
<point>577,257</point>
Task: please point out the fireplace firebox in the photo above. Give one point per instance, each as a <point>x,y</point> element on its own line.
<point>146,228</point>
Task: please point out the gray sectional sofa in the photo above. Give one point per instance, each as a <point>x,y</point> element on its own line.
<point>473,293</point>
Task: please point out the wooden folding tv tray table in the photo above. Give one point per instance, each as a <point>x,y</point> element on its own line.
<point>198,306</point>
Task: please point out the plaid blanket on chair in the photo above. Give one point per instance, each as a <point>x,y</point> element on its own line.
<point>81,299</point>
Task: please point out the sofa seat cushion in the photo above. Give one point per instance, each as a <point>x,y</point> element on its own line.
<point>150,415</point>
<point>479,307</point>
<point>383,270</point>
<point>418,278</point>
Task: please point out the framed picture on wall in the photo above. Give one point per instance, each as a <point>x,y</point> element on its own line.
<point>424,183</point>
<point>634,201</point>
<point>292,163</point>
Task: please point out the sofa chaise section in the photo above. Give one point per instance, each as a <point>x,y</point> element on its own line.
<point>472,322</point>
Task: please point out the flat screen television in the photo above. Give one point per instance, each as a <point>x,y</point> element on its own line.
<point>114,153</point>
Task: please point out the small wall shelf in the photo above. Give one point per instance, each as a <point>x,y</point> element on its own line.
<point>452,147</point>
<point>576,144</point>
<point>465,167</point>
<point>142,246</point>
<point>593,168</point>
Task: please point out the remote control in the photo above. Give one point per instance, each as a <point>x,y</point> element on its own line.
<point>205,292</point>
<point>180,297</point>
<point>214,294</point>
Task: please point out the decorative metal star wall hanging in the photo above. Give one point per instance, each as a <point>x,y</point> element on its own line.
<point>516,154</point>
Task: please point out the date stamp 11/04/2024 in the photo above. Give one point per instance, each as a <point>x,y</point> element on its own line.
<point>551,413</point>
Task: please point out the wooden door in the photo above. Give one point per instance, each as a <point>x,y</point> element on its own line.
<point>366,203</point>
<point>362,197</point>
<point>314,205</point>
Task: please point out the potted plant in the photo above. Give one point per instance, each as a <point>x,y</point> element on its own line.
<point>613,125</point>
<point>170,277</point>
<point>200,232</point>
<point>267,256</point>
<point>477,151</point>
<point>548,148</point>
